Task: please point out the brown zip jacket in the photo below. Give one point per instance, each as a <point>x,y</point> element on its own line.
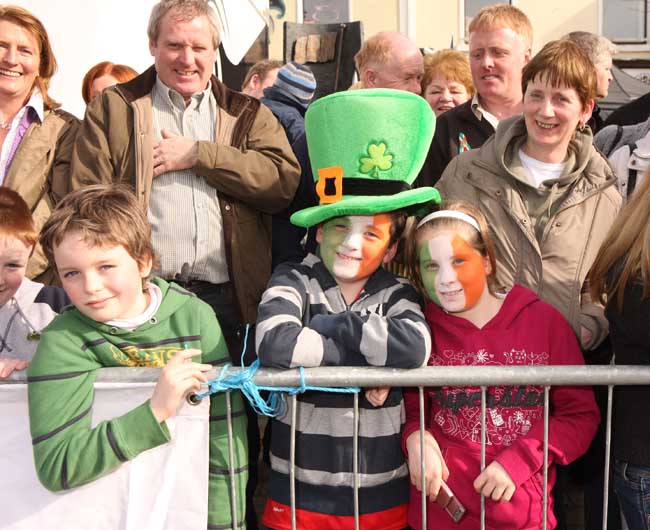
<point>40,173</point>
<point>545,239</point>
<point>251,165</point>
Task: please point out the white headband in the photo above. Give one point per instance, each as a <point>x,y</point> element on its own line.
<point>451,214</point>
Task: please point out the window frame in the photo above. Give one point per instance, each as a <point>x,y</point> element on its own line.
<point>463,41</point>
<point>300,7</point>
<point>623,46</point>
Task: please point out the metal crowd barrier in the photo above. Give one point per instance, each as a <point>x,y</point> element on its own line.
<point>480,376</point>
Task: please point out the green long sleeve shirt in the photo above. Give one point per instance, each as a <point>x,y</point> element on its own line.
<point>68,452</point>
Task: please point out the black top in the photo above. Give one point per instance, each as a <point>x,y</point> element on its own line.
<point>288,110</point>
<point>631,113</point>
<point>287,238</point>
<point>596,121</point>
<point>630,334</point>
<point>444,146</point>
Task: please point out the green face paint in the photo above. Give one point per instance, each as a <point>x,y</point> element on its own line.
<point>428,272</point>
<point>334,233</point>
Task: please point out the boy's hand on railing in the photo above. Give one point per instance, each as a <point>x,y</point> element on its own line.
<point>377,396</point>
<point>495,483</point>
<point>436,469</point>
<point>179,376</point>
<point>7,366</point>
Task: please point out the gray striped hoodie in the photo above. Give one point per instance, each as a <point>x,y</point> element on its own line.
<point>303,320</point>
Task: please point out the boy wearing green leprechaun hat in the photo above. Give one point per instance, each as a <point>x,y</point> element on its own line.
<point>342,308</point>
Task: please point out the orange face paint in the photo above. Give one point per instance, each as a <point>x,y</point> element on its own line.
<point>471,272</point>
<point>453,272</point>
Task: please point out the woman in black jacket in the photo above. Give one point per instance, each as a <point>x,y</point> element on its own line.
<point>621,278</point>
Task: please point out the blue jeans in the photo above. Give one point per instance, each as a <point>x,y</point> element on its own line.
<point>632,487</point>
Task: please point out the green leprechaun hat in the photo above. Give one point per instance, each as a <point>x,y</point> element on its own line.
<point>366,148</point>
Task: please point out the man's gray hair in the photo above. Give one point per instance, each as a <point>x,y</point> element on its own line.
<point>185,10</point>
<point>596,47</point>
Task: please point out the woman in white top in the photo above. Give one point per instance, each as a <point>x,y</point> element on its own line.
<point>549,196</point>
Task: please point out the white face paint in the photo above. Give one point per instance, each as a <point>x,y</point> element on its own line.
<point>348,254</point>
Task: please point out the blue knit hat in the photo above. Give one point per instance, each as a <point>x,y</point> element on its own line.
<point>298,81</point>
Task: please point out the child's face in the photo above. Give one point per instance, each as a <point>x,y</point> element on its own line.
<point>14,254</point>
<point>454,274</point>
<point>104,283</point>
<point>353,247</point>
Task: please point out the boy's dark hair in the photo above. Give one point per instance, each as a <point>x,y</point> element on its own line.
<point>397,226</point>
<point>15,218</point>
<point>106,215</point>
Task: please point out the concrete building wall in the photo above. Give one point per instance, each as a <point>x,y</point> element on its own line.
<point>374,19</point>
<point>436,21</point>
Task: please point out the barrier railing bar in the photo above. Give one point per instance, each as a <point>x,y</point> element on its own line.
<point>423,466</point>
<point>341,376</point>
<point>545,482</point>
<point>355,460</point>
<point>608,440</point>
<point>483,439</point>
<point>231,462</point>
<point>292,461</point>
<point>482,376</point>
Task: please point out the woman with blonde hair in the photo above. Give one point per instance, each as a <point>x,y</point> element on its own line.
<point>620,277</point>
<point>447,80</point>
<point>36,136</point>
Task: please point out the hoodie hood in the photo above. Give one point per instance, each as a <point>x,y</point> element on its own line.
<point>173,298</point>
<point>582,160</point>
<point>516,300</point>
<point>27,292</point>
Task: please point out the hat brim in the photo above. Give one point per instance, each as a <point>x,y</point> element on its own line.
<point>411,200</point>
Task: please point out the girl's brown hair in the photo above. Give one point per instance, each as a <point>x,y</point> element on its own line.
<point>480,241</point>
<point>624,256</point>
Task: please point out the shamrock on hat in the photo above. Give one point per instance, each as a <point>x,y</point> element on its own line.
<point>366,148</point>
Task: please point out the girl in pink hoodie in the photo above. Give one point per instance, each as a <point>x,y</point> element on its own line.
<point>473,325</point>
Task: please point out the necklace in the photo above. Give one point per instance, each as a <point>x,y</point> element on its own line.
<point>5,125</point>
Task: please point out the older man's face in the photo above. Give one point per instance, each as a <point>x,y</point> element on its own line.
<point>603,76</point>
<point>184,54</point>
<point>403,72</point>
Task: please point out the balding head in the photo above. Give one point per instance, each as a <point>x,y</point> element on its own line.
<point>390,60</point>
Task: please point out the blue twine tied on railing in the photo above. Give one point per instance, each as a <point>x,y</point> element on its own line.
<point>275,403</point>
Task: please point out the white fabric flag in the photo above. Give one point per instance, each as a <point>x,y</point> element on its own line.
<point>165,488</point>
<point>240,22</point>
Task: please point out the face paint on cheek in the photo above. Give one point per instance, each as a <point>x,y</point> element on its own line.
<point>353,247</point>
<point>331,239</point>
<point>471,274</point>
<point>428,276</point>
<point>373,251</point>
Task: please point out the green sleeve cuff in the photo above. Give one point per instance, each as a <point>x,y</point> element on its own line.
<point>139,430</point>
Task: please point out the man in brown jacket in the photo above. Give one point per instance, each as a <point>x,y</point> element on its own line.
<point>209,164</point>
<point>195,152</point>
